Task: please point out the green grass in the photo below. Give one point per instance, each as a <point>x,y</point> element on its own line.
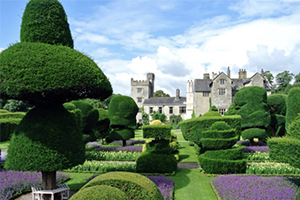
<point>4,145</point>
<point>77,180</point>
<point>138,135</point>
<point>191,184</point>
<point>186,152</point>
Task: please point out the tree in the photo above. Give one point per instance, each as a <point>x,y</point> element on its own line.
<point>297,78</point>
<point>48,138</point>
<point>283,79</point>
<point>160,93</point>
<point>269,76</point>
<point>158,116</point>
<point>102,126</point>
<point>122,112</point>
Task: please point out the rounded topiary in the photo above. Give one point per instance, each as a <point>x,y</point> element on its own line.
<point>53,74</point>
<point>211,114</point>
<point>45,142</point>
<point>156,122</point>
<point>277,103</point>
<point>220,125</point>
<point>294,128</point>
<point>45,22</point>
<point>135,186</point>
<point>99,192</point>
<point>122,111</point>
<point>293,105</point>
<point>122,134</point>
<point>251,133</point>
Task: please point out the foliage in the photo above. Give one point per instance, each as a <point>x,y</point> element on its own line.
<point>135,186</point>
<point>111,156</point>
<point>13,183</point>
<point>96,103</point>
<point>193,114</point>
<point>272,168</point>
<point>269,76</point>
<point>145,117</point>
<point>102,126</point>
<point>261,149</point>
<point>15,106</point>
<point>121,148</point>
<point>72,75</point>
<point>174,121</point>
<point>100,166</point>
<point>158,116</point>
<point>258,156</point>
<point>149,162</point>
<point>254,187</point>
<point>160,93</point>
<point>293,105</point>
<point>283,79</point>
<point>122,111</point>
<point>45,142</point>
<point>251,104</point>
<point>45,22</point>
<point>160,131</point>
<point>99,192</point>
<point>297,78</point>
<point>277,103</point>
<point>211,114</point>
<point>294,128</point>
<point>164,184</point>
<point>213,108</point>
<point>8,124</point>
<point>251,133</point>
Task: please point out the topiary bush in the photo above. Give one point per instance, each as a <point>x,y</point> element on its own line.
<point>294,128</point>
<point>251,133</point>
<point>7,127</point>
<point>99,192</point>
<point>135,186</point>
<point>293,105</point>
<point>277,103</point>
<point>102,126</point>
<point>157,131</point>
<point>45,22</point>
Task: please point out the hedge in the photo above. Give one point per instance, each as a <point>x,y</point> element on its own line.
<point>99,192</point>
<point>135,186</point>
<point>227,154</point>
<point>221,166</point>
<point>277,103</point>
<point>156,163</point>
<point>293,105</point>
<point>122,134</point>
<point>7,127</point>
<point>192,128</point>
<point>218,134</point>
<point>160,132</point>
<point>285,149</point>
<point>158,147</point>
<point>294,128</point>
<point>218,143</point>
<point>12,115</point>
<point>249,134</point>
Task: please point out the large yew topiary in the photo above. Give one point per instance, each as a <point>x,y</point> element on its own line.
<point>293,105</point>
<point>47,74</point>
<point>45,22</point>
<point>122,112</point>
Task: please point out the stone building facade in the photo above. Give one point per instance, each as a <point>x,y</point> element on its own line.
<point>201,94</point>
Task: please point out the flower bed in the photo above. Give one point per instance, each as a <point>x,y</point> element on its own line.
<point>254,187</point>
<point>120,148</point>
<point>165,185</point>
<point>261,149</point>
<point>272,168</point>
<point>111,155</point>
<point>14,182</point>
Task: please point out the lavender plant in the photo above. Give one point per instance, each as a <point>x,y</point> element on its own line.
<point>15,182</point>
<point>254,187</point>
<point>121,148</point>
<point>164,184</point>
<point>261,149</point>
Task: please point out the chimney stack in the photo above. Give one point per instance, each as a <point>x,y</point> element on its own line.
<point>177,94</point>
<point>242,74</point>
<point>206,76</point>
<point>228,71</point>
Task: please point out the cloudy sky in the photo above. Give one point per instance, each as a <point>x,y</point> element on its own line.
<point>178,40</point>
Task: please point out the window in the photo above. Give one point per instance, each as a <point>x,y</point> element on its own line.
<point>159,109</point>
<point>171,110</point>
<point>206,94</point>
<point>150,110</point>
<point>221,91</point>
<point>182,109</point>
<point>139,99</point>
<point>222,111</point>
<point>222,81</point>
<point>139,90</point>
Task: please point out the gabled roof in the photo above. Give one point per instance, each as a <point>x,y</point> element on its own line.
<point>202,85</point>
<point>155,101</point>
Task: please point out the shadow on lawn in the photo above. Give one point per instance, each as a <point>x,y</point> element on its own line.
<point>181,179</point>
<point>183,156</point>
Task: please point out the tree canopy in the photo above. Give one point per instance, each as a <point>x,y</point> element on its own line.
<point>160,93</point>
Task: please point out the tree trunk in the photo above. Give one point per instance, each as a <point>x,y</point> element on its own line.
<point>49,182</point>
<point>124,143</point>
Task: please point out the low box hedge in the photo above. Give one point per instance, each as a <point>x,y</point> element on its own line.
<point>228,154</point>
<point>159,132</point>
<point>216,143</point>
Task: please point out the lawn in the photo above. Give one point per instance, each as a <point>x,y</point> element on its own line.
<point>4,145</point>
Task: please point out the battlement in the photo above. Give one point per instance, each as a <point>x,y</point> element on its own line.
<point>140,82</point>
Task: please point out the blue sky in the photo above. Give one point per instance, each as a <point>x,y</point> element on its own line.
<point>178,40</point>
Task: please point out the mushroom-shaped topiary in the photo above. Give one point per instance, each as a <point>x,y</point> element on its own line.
<point>48,138</point>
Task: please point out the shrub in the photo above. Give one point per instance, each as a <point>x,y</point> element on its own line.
<point>156,163</point>
<point>277,103</point>
<point>160,131</point>
<point>174,121</point>
<point>47,24</point>
<point>278,124</point>
<point>228,154</point>
<point>7,127</point>
<point>294,128</point>
<point>135,186</point>
<point>251,133</point>
<point>158,146</point>
<point>19,115</point>
<point>221,166</point>
<point>99,192</point>
<point>211,114</point>
<point>218,143</point>
<point>293,105</point>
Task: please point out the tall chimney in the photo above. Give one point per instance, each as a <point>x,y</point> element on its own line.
<point>228,72</point>
<point>206,76</point>
<point>242,74</point>
<point>177,94</point>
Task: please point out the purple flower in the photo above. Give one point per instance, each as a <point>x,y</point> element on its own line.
<point>254,187</point>
<point>120,148</point>
<point>129,142</point>
<point>261,149</point>
<point>164,184</point>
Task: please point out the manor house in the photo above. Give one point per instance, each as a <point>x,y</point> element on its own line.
<point>201,94</point>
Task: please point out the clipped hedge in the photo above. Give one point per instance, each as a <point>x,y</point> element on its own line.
<point>294,128</point>
<point>293,105</point>
<point>7,127</point>
<point>156,163</point>
<point>212,114</point>
<point>192,128</point>
<point>218,134</point>
<point>158,146</point>
<point>227,154</point>
<point>99,192</point>
<point>221,166</point>
<point>277,103</point>
<point>135,186</point>
<point>159,132</point>
<point>249,134</point>
<point>285,149</point>
<point>122,134</point>
<point>278,124</point>
<point>12,115</point>
<point>218,143</point>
